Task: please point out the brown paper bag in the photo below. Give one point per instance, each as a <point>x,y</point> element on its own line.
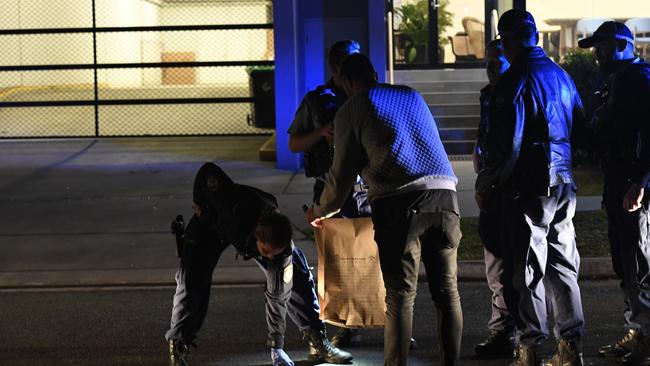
<point>350,285</point>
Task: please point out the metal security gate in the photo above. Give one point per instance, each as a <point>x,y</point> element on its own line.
<point>140,68</point>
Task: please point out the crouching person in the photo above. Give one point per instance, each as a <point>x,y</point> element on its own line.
<point>226,213</point>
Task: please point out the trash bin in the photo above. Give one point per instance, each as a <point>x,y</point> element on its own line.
<point>262,89</point>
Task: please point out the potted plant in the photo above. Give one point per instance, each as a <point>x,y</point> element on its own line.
<point>414,28</point>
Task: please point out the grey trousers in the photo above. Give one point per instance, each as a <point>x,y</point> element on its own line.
<point>291,293</point>
<point>629,239</point>
<point>290,289</point>
<point>498,264</point>
<point>409,227</point>
<point>546,265</point>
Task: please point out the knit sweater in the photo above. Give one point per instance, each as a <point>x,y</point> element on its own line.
<point>389,136</point>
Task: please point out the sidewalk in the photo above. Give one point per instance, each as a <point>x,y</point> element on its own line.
<point>86,212</point>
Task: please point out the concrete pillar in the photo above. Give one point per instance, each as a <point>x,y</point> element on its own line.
<point>302,33</point>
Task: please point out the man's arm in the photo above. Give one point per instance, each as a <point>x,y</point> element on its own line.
<point>302,141</point>
<point>302,132</point>
<point>502,147</point>
<point>581,134</point>
<point>279,281</point>
<point>642,109</point>
<point>348,160</point>
<point>634,197</point>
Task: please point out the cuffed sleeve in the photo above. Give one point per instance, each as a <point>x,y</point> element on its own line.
<point>279,281</point>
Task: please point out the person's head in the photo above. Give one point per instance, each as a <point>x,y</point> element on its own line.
<point>357,74</point>
<point>495,62</point>
<point>210,185</point>
<point>273,234</point>
<point>613,43</point>
<point>518,32</point>
<point>337,53</point>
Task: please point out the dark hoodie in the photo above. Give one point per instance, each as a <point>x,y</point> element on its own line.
<point>232,209</point>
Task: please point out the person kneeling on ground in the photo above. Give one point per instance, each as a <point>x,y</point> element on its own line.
<point>227,213</point>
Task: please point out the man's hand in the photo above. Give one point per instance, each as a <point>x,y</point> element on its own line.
<point>280,358</point>
<point>311,219</point>
<point>198,211</point>
<point>327,131</point>
<point>633,198</point>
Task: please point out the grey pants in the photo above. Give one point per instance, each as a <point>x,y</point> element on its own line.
<point>286,293</point>
<point>410,227</point>
<point>629,239</point>
<point>498,264</point>
<point>546,265</point>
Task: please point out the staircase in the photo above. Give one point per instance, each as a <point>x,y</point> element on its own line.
<point>453,97</point>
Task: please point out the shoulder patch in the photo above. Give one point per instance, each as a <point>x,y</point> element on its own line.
<point>287,276</point>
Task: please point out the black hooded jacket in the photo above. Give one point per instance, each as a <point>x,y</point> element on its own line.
<point>232,209</point>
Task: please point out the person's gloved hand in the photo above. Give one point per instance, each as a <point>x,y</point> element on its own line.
<point>280,358</point>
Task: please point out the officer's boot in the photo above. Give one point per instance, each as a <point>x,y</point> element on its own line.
<point>640,355</point>
<point>345,337</point>
<point>568,353</point>
<point>525,355</point>
<point>178,353</point>
<point>499,343</point>
<point>320,348</point>
<point>624,346</point>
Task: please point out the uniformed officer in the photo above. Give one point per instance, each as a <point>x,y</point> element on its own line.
<point>535,105</point>
<point>228,213</point>
<point>623,138</point>
<point>312,132</point>
<point>500,340</point>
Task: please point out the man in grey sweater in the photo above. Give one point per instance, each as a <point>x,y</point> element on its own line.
<point>387,134</point>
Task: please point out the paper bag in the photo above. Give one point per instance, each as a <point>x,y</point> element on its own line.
<point>350,285</point>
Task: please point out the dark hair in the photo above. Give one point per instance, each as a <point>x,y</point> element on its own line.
<point>358,67</point>
<point>274,229</point>
<point>342,49</point>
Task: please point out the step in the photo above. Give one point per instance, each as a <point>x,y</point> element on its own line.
<point>440,110</point>
<point>459,147</point>
<point>447,86</point>
<point>468,97</point>
<point>455,134</point>
<point>457,121</point>
<point>409,76</point>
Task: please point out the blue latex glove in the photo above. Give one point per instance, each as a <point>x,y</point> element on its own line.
<point>280,358</point>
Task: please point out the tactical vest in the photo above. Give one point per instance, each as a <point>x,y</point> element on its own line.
<point>318,158</point>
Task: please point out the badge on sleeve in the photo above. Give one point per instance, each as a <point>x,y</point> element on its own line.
<point>287,276</point>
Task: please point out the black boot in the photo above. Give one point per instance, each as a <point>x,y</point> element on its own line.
<point>640,355</point>
<point>568,353</point>
<point>179,353</point>
<point>498,344</point>
<point>345,337</point>
<point>525,355</point>
<point>321,350</point>
<point>624,346</point>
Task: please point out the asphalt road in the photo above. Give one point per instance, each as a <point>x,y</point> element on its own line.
<point>125,326</point>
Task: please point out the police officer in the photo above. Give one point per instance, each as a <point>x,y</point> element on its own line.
<point>623,138</point>
<point>500,340</point>
<point>535,105</point>
<point>312,132</point>
<point>227,213</point>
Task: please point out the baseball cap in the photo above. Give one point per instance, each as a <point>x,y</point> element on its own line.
<point>516,22</point>
<point>607,30</point>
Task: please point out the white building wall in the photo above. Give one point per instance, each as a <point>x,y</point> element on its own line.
<point>217,45</point>
<point>77,48</point>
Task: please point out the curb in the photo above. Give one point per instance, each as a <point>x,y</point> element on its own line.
<point>470,270</point>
